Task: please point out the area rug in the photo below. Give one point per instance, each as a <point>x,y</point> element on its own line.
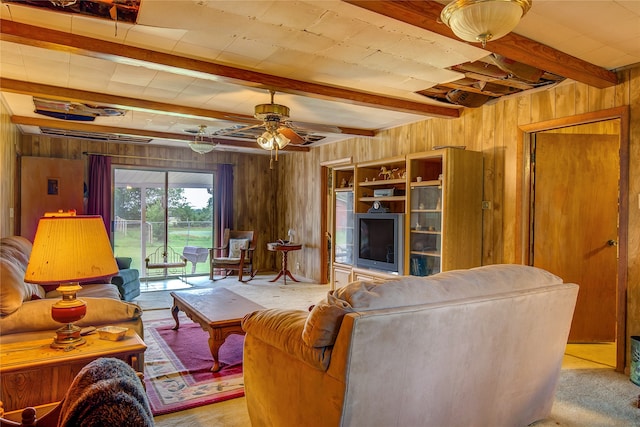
<point>177,368</point>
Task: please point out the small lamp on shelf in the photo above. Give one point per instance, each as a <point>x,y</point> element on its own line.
<point>68,249</point>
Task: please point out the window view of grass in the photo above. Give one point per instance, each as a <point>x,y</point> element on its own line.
<point>189,216</point>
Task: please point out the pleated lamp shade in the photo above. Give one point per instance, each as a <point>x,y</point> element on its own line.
<point>70,249</point>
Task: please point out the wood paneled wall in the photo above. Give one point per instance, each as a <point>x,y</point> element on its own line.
<point>492,129</point>
<point>254,182</point>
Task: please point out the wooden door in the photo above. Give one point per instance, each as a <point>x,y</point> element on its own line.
<point>575,224</point>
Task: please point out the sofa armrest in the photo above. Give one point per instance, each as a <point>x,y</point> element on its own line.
<point>36,315</point>
<point>282,329</point>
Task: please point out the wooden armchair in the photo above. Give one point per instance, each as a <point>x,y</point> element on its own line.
<point>235,254</point>
<point>169,261</point>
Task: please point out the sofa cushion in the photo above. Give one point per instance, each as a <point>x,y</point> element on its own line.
<point>14,257</point>
<point>36,315</point>
<point>123,262</point>
<point>236,246</point>
<point>125,276</point>
<point>323,324</point>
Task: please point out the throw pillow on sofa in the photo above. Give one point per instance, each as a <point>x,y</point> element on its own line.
<point>14,256</point>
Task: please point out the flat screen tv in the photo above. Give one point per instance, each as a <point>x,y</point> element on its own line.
<point>379,241</point>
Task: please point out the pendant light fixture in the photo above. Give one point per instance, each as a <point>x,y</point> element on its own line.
<point>483,20</point>
<point>201,144</point>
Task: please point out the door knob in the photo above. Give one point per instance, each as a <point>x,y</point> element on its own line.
<point>612,242</point>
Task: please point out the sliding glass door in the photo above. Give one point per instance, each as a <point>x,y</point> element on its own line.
<point>163,211</point>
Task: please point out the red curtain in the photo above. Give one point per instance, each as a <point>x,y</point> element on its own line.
<point>99,202</point>
<point>223,196</point>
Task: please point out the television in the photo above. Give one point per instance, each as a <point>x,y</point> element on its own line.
<point>379,241</point>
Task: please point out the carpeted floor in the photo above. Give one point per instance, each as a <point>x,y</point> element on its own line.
<point>589,394</point>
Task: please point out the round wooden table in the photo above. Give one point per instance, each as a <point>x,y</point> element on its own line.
<point>285,248</point>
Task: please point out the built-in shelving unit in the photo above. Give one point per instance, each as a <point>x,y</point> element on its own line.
<point>444,212</point>
<point>440,194</point>
<point>387,177</point>
<point>343,217</point>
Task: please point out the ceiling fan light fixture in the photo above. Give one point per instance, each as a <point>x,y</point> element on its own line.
<point>483,20</point>
<point>281,140</point>
<point>200,144</point>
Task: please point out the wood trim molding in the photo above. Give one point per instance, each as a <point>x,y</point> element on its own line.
<point>57,40</point>
<point>426,14</point>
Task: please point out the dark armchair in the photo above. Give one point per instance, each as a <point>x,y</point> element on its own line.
<point>127,280</point>
<point>235,254</point>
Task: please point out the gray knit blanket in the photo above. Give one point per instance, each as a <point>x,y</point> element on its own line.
<point>106,392</point>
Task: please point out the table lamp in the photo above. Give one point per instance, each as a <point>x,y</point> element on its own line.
<point>66,250</point>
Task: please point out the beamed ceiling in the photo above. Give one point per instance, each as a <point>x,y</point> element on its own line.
<point>154,71</point>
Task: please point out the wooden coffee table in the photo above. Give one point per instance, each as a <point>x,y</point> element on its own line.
<point>219,311</point>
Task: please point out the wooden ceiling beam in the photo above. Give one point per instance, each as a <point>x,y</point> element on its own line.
<point>68,94</point>
<point>117,52</point>
<point>426,15</point>
<point>86,127</point>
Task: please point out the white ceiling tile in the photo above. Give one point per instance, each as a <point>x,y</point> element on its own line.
<point>102,29</point>
<point>159,94</point>
<point>13,71</point>
<point>10,53</point>
<point>131,75</point>
<point>290,14</point>
<point>160,39</point>
<point>336,27</point>
<point>129,90</point>
<point>36,16</point>
<point>170,81</point>
<point>92,65</point>
<point>255,49</point>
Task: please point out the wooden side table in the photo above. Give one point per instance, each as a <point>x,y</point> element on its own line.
<point>285,248</point>
<point>33,373</point>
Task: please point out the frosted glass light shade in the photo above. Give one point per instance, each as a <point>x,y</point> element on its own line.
<point>484,20</point>
<point>201,147</point>
<point>70,249</point>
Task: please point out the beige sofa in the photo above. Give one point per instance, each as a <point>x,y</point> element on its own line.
<point>478,347</point>
<point>25,309</point>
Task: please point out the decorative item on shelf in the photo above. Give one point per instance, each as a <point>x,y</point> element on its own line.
<point>202,144</point>
<point>68,249</point>
<point>350,183</point>
<point>387,173</point>
<point>343,183</point>
<point>483,20</point>
<point>291,234</point>
<point>377,207</point>
<point>418,179</point>
<point>418,226</point>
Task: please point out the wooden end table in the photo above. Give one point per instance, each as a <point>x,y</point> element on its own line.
<point>33,373</point>
<point>218,311</point>
<point>285,248</point>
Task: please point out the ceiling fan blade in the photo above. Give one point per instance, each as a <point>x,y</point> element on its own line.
<point>292,135</point>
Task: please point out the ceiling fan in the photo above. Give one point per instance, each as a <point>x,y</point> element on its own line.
<point>279,131</point>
